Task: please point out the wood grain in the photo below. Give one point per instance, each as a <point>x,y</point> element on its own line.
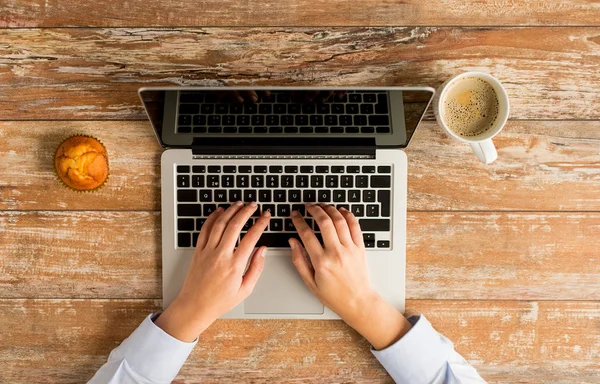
<point>82,73</point>
<point>476,256</point>
<point>542,166</point>
<point>66,341</point>
<point>103,13</point>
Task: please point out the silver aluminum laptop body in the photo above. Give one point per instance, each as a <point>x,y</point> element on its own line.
<point>280,292</point>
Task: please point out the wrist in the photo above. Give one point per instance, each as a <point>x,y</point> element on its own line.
<point>184,321</point>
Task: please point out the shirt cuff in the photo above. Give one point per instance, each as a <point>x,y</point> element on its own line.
<point>418,355</point>
<point>153,353</point>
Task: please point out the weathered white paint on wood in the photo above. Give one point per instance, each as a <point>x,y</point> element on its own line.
<point>83,73</point>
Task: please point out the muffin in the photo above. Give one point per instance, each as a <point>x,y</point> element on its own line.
<point>81,163</point>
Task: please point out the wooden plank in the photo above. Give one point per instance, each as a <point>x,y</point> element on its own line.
<point>82,73</point>
<point>103,13</point>
<point>527,342</point>
<point>477,256</point>
<point>542,165</point>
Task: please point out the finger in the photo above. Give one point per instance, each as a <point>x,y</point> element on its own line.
<point>304,269</point>
<point>310,241</point>
<point>218,228</point>
<point>207,227</point>
<point>252,236</point>
<point>235,225</point>
<point>324,95</point>
<point>251,96</point>
<point>354,227</point>
<point>254,271</point>
<point>330,236</point>
<point>340,224</point>
<point>236,97</point>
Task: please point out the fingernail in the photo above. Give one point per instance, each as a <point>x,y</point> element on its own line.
<point>267,213</point>
<point>219,209</point>
<point>254,98</point>
<point>239,203</point>
<point>295,213</point>
<point>264,252</point>
<point>253,204</point>
<point>292,243</point>
<point>240,99</point>
<point>343,209</point>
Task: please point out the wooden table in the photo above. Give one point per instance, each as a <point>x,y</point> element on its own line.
<point>503,259</point>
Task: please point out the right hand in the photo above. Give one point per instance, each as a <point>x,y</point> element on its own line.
<point>337,275</point>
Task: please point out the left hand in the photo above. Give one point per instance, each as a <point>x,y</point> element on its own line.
<point>216,281</point>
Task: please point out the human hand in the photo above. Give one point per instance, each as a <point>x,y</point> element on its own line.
<point>338,276</point>
<point>216,282</point>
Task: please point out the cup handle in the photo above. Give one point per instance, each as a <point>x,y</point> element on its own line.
<point>485,151</point>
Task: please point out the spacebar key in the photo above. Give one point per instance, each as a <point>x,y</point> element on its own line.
<point>368,225</point>
<point>277,240</point>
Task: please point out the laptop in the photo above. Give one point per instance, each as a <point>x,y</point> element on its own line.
<point>283,147</point>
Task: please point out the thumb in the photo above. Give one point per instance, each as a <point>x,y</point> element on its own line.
<point>254,270</point>
<point>302,265</point>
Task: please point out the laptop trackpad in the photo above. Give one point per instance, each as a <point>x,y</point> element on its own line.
<point>280,290</point>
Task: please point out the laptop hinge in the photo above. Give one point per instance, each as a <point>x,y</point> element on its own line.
<point>272,146</point>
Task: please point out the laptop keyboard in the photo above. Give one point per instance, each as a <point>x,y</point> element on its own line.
<point>354,113</point>
<point>363,190</point>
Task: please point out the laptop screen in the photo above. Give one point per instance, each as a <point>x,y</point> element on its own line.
<point>181,116</point>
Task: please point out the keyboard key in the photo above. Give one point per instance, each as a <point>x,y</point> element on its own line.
<point>287,181</point>
<point>322,169</point>
<point>323,108</point>
<point>369,98</point>
<point>184,129</point>
<point>264,196</point>
<point>339,196</point>
<point>187,195</point>
<point>227,181</point>
<point>224,206</point>
<point>316,181</point>
<point>306,129</point>
<point>331,120</point>
<point>199,130</point>
<point>243,120</point>
<point>384,198</point>
<point>382,103</point>
<point>368,169</point>
<point>222,108</point>
<point>184,120</point>
<point>276,240</point>
<point>383,244</point>
<point>207,109</point>
<point>235,195</point>
<point>209,208</point>
<point>212,181</point>
<point>373,210</point>
<point>195,236</point>
<point>370,244</point>
<point>360,120</point>
<point>379,120</point>
<point>368,236</point>
<point>220,195</point>
<point>242,181</point>
<point>248,225</point>
<point>309,196</point>
<point>245,129</point>
<point>272,181</point>
<point>229,120</point>
<point>198,181</point>
<point>302,120</point>
<point>260,130</point>
<point>336,129</point>
<point>279,109</point>
<point>368,195</point>
<point>269,207</point>
<point>258,181</point>
<point>205,196</point>
<point>316,120</point>
<point>353,169</point>
<point>362,181</point>
<point>257,211</point>
<point>279,196</point>
<point>260,120</point>
<point>198,169</point>
<point>183,181</point>
<point>188,210</point>
<point>301,208</point>
<point>337,109</point>
<point>284,210</point>
<point>191,97</point>
<point>283,97</point>
<point>355,98</point>
<point>331,181</point>
<point>214,169</point>
<point>184,240</point>
<point>302,181</point>
<point>260,169</point>
<point>294,109</point>
<point>185,224</point>
<point>308,108</point>
<point>270,98</point>
<point>352,130</point>
<point>367,130</point>
<point>275,169</point>
<point>274,121</point>
<point>245,169</point>
<point>230,130</point>
<point>291,129</point>
<point>276,225</point>
<point>214,120</point>
<point>383,129</point>
<point>358,210</point>
<point>306,169</point>
<point>321,130</point>
<point>294,196</point>
<point>183,169</point>
<point>250,109</point>
<point>265,109</point>
<point>287,120</point>
<point>381,181</point>
<point>384,169</point>
<point>347,181</point>
<point>354,196</point>
<point>352,109</point>
<point>337,169</point>
<point>249,195</point>
<point>229,169</point>
<point>215,129</point>
<point>345,206</point>
<point>345,120</point>
<point>199,223</point>
<point>366,109</point>
<point>324,196</point>
<point>374,225</point>
<point>288,225</point>
<point>236,108</point>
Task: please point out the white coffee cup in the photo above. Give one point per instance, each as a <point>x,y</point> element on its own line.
<point>482,144</point>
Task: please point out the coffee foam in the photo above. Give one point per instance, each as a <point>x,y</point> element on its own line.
<point>471,107</point>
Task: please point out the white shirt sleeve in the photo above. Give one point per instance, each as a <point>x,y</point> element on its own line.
<point>423,356</point>
<point>148,356</point>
